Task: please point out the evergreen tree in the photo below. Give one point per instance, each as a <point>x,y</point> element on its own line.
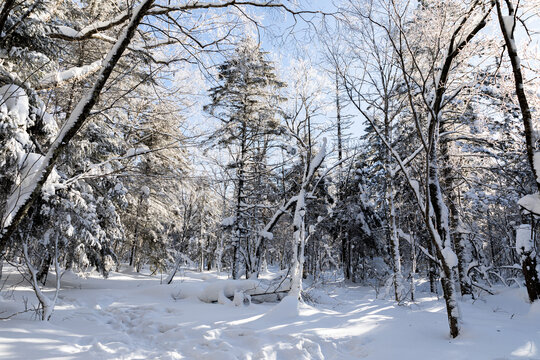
<point>247,103</point>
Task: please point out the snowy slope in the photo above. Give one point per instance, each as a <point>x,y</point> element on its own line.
<point>132,316</point>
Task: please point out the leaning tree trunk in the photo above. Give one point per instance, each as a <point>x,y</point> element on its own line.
<point>440,236</point>
<point>507,25</point>
<point>507,29</point>
<point>440,231</point>
<point>74,123</point>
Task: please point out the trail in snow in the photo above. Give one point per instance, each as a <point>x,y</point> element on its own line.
<point>132,316</point>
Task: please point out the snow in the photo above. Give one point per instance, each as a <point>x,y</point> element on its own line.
<point>416,186</point>
<point>266,234</point>
<point>137,151</point>
<point>67,31</point>
<point>318,159</point>
<point>73,73</point>
<point>531,203</point>
<point>229,221</point>
<point>450,257</point>
<point>29,164</point>
<point>523,239</point>
<point>508,22</point>
<point>15,101</point>
<point>462,228</point>
<point>145,190</point>
<point>47,120</point>
<point>132,316</point>
<point>537,165</point>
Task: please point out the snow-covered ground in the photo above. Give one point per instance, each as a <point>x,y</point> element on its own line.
<point>132,316</point>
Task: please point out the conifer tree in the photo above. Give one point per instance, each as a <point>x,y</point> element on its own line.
<point>247,103</point>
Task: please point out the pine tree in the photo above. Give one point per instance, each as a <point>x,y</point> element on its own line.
<point>247,103</point>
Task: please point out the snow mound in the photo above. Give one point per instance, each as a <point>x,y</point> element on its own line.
<point>450,256</point>
<point>288,308</point>
<point>531,203</point>
<point>534,311</point>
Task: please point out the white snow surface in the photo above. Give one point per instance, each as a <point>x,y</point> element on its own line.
<point>536,161</point>
<point>450,256</point>
<point>523,239</point>
<point>132,316</point>
<point>15,101</point>
<point>73,73</point>
<point>318,159</point>
<point>266,234</point>
<point>137,151</point>
<point>229,221</point>
<point>531,203</point>
<point>508,22</point>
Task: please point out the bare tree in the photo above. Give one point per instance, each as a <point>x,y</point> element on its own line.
<point>428,76</point>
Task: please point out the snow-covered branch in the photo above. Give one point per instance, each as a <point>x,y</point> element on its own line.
<point>74,73</point>
<point>76,120</point>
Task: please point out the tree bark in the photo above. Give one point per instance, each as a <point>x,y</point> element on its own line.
<point>510,42</point>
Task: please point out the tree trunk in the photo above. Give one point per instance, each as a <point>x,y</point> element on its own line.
<point>528,266</point>
<point>511,48</point>
<point>345,257</point>
<point>299,244</point>
<point>75,121</point>
<point>432,269</point>
<point>394,239</point>
<point>397,277</point>
<point>41,275</point>
<point>239,224</point>
<point>459,243</point>
<point>440,235</point>
<point>526,249</point>
<point>527,260</point>
<point>413,268</point>
<point>299,226</point>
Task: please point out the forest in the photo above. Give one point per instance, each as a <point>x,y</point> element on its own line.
<point>269,179</point>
